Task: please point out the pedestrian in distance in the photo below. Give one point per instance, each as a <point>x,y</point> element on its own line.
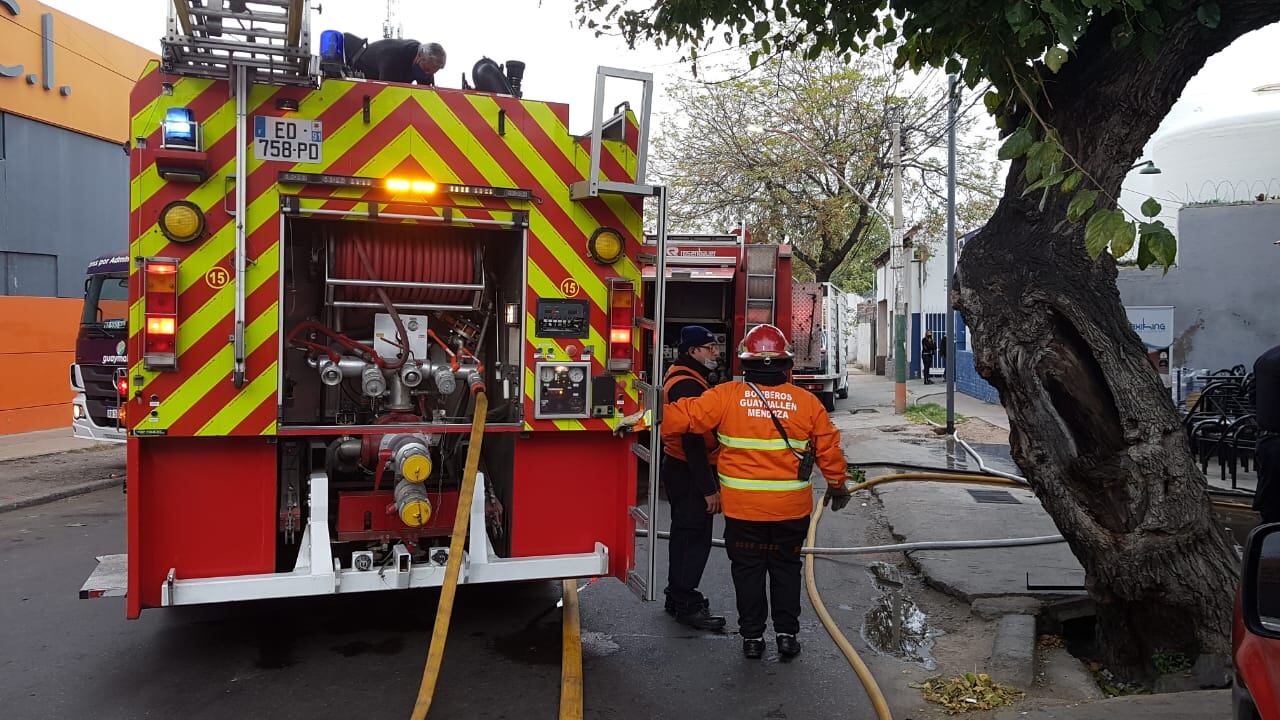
<point>771,434</point>
<point>927,349</point>
<point>1266,388</point>
<point>689,474</point>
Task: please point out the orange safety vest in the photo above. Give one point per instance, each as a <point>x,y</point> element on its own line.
<point>757,470</point>
<point>673,445</point>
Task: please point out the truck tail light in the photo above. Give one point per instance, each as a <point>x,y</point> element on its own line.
<point>622,317</point>
<point>160,308</point>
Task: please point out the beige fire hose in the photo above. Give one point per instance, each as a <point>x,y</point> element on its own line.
<point>444,611</point>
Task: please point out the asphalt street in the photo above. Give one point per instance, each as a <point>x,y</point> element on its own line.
<point>363,655</point>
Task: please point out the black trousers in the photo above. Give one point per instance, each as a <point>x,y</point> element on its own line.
<point>1267,498</point>
<point>766,549</point>
<point>690,543</point>
<point>928,367</point>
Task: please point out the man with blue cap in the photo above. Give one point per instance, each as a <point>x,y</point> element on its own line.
<point>689,473</point>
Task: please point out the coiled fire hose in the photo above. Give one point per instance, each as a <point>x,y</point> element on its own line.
<point>444,611</point>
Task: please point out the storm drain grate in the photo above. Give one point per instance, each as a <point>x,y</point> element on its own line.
<point>997,497</point>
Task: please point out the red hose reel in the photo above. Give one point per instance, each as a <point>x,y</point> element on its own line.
<point>406,256</point>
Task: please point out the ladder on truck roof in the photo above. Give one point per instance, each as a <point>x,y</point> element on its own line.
<point>271,39</point>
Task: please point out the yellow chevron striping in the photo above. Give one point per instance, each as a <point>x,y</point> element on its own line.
<point>218,369</point>
<point>574,263</point>
<point>250,398</point>
<point>222,122</point>
<point>581,159</point>
<point>195,324</point>
<point>493,173</point>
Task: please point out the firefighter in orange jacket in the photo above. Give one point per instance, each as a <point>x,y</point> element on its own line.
<point>771,434</point>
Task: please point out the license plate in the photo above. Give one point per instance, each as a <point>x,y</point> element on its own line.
<point>283,139</point>
<point>113,413</point>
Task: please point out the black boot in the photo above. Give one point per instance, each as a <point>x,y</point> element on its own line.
<point>753,648</point>
<point>702,619</point>
<point>788,646</point>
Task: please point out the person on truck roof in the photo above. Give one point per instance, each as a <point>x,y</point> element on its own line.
<point>402,61</point>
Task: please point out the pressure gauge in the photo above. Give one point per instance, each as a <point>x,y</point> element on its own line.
<point>576,375</point>
<point>548,374</point>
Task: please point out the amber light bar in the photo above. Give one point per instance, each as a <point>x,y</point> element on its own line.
<point>418,185</point>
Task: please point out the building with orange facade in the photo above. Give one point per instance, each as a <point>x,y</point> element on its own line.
<point>64,198</point>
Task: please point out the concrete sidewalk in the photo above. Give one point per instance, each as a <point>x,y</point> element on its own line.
<point>42,442</point>
<point>1199,705</point>
<point>40,467</point>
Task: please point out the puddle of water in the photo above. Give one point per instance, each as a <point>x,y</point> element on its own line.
<point>597,644</point>
<point>1239,522</point>
<point>895,625</point>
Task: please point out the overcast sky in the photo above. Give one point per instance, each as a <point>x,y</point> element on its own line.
<point>562,58</point>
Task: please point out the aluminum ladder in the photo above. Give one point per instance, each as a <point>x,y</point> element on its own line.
<point>762,285</point>
<point>640,579</point>
<point>271,39</point>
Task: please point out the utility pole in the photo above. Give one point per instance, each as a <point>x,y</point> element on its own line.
<point>901,320</point>
<point>953,106</point>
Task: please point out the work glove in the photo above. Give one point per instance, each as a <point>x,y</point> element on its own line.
<point>631,422</point>
<point>837,497</point>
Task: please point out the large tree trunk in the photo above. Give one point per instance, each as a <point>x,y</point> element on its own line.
<point>1092,426</point>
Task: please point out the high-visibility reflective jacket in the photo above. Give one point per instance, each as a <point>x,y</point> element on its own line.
<point>673,445</point>
<point>757,471</point>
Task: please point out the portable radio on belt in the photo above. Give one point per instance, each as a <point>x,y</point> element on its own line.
<point>806,458</point>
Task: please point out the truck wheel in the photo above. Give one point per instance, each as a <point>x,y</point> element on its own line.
<point>828,400</point>
<point>843,393</point>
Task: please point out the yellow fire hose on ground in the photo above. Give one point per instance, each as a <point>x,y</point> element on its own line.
<point>571,655</point>
<point>444,611</point>
<point>869,685</point>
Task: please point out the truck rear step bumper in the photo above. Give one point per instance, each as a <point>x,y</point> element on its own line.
<point>317,572</point>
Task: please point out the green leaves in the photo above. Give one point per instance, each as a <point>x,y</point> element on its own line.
<point>1043,160</point>
<point>1055,58</point>
<point>1209,14</point>
<point>1107,228</point>
<point>1150,207</point>
<point>1156,244</point>
<point>1072,182</point>
<point>1017,144</point>
<point>1080,204</point>
<point>1018,14</point>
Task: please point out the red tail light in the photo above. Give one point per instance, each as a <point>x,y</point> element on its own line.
<point>122,386</point>
<point>622,318</point>
<point>160,307</point>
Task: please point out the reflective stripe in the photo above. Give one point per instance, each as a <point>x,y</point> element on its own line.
<point>760,444</point>
<point>766,485</point>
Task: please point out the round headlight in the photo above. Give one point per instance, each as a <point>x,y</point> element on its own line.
<point>182,221</point>
<point>606,246</point>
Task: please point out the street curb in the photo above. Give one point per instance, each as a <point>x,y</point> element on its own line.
<point>1013,651</point>
<point>61,494</point>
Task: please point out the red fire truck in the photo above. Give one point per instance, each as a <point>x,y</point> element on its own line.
<point>722,283</point>
<point>325,272</point>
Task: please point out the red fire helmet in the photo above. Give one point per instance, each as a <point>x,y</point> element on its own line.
<point>764,342</point>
